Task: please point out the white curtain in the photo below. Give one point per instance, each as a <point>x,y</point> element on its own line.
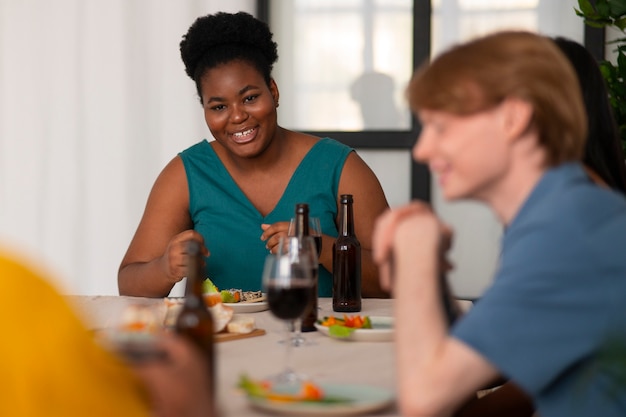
<point>94,101</point>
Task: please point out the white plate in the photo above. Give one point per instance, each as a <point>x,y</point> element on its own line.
<point>248,307</point>
<point>381,331</point>
<point>365,399</point>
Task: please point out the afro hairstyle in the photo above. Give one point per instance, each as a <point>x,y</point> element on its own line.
<point>221,38</point>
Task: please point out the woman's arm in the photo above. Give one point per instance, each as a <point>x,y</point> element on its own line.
<point>155,259</point>
<point>369,202</point>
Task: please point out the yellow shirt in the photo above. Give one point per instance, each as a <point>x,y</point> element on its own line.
<point>50,364</point>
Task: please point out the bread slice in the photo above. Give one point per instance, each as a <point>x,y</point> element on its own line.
<point>241,323</point>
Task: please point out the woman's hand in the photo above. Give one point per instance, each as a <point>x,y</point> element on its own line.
<point>272,233</point>
<point>174,260</point>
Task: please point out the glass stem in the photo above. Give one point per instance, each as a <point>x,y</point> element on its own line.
<point>297,332</point>
<point>288,328</point>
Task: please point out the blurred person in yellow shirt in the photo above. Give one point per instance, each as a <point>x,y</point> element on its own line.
<point>51,365</point>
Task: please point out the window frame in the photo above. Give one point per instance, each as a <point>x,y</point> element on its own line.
<point>384,139</point>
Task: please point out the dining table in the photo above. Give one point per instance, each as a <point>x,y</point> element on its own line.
<point>324,360</point>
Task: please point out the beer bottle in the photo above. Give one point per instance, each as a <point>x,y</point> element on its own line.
<point>346,262</point>
<point>195,321</point>
<point>302,229</point>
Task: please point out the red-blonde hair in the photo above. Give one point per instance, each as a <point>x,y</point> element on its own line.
<point>480,74</point>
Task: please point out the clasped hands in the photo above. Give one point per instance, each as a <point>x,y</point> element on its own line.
<point>410,234</point>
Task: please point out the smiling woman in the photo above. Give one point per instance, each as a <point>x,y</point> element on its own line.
<point>236,195</point>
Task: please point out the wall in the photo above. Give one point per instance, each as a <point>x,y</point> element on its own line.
<point>95,102</point>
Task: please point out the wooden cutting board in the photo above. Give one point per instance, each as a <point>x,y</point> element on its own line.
<point>225,337</point>
<point>174,308</point>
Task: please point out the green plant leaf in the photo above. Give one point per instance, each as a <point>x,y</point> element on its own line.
<point>618,7</point>
<point>620,23</point>
<point>596,23</point>
<point>619,41</point>
<point>603,8</point>
<point>611,13</point>
<point>586,8</point>
<point>621,67</point>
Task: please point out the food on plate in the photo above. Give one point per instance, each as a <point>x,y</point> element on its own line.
<point>138,318</point>
<point>307,392</point>
<point>343,327</point>
<point>355,322</point>
<point>224,318</point>
<point>221,316</point>
<point>212,299</point>
<point>232,295</point>
<point>241,324</point>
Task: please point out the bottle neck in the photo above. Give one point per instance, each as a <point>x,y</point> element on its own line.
<point>302,220</point>
<point>347,220</point>
<point>193,289</point>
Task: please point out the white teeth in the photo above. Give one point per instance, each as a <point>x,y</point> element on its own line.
<point>246,132</point>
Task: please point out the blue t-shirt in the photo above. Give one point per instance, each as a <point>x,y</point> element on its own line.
<point>556,312</point>
<point>231,225</point>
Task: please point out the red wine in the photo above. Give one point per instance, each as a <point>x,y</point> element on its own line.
<point>288,303</point>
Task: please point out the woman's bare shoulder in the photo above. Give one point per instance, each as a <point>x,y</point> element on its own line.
<point>303,139</point>
<point>300,143</point>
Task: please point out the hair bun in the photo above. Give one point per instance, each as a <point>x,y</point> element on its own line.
<point>219,29</point>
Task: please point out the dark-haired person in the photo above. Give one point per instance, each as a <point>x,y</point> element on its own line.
<point>236,195</point>
<point>603,151</point>
<point>503,123</point>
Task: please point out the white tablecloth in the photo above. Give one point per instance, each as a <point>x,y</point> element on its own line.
<point>323,359</point>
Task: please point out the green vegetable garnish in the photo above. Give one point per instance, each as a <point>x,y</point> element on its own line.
<point>306,392</point>
<point>227,297</point>
<point>208,286</point>
<point>338,330</point>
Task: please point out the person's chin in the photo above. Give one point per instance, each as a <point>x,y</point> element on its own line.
<point>452,194</point>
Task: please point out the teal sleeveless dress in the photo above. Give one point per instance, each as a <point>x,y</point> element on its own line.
<point>231,225</point>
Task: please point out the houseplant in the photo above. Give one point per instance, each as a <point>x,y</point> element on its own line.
<point>611,14</point>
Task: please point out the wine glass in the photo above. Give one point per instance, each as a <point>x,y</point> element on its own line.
<point>287,280</point>
<point>315,231</point>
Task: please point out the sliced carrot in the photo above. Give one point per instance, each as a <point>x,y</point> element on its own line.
<point>311,392</point>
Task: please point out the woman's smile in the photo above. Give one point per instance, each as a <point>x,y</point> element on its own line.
<point>244,136</point>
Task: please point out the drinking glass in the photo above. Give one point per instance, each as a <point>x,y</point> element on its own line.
<point>315,231</point>
<point>287,280</point>
<point>134,334</point>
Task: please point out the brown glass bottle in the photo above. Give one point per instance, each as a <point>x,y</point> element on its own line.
<point>195,321</point>
<point>302,229</point>
<point>346,262</point>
